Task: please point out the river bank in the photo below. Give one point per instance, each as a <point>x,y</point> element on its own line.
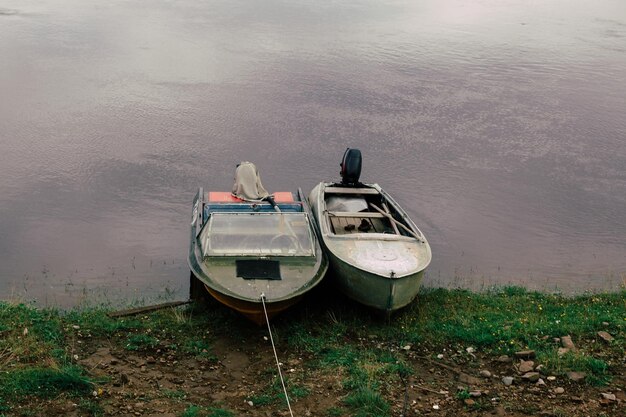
<point>452,352</point>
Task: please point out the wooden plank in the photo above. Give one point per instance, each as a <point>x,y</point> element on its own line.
<point>349,190</point>
<point>146,309</point>
<point>395,228</point>
<point>339,225</point>
<point>411,232</point>
<point>355,214</point>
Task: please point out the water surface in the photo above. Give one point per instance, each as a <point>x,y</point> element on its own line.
<point>498,125</point>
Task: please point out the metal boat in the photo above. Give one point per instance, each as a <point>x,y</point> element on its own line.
<point>253,253</point>
<point>378,255</point>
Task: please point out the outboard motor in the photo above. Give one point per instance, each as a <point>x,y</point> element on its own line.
<point>351,167</point>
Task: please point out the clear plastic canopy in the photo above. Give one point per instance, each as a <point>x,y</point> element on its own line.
<point>257,234</point>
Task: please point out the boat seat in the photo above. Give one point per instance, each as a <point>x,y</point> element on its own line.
<point>355,214</point>
<point>344,225</point>
<point>350,190</point>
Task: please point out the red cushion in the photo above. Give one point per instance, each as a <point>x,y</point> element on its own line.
<point>226,197</point>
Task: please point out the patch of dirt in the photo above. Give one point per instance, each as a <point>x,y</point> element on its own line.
<point>164,383</point>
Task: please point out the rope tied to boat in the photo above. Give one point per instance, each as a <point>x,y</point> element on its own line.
<point>280,374</point>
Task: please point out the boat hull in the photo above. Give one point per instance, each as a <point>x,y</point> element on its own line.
<point>379,270</point>
<point>375,291</point>
<point>253,311</point>
<point>220,276</point>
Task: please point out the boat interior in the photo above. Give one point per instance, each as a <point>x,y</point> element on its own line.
<point>225,202</point>
<point>353,210</point>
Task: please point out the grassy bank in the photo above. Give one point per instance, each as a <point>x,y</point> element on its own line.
<point>366,360</point>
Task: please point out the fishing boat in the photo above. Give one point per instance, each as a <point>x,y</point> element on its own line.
<point>377,254</point>
<point>254,252</point>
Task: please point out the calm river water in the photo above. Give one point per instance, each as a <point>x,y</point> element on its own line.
<point>498,124</point>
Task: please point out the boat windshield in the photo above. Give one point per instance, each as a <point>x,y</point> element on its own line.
<point>254,234</point>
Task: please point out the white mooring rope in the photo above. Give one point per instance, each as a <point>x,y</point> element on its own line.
<point>269,329</point>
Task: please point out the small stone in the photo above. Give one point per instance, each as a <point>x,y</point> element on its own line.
<point>250,403</point>
<point>436,407</point>
<point>531,376</point>
<point>526,366</point>
<point>559,390</point>
<point>525,354</point>
<point>75,327</point>
<point>504,359</point>
<point>556,339</point>
<point>539,368</point>
<point>540,382</point>
<point>475,394</point>
<point>467,379</point>
<point>407,347</point>
<point>609,396</point>
<point>500,411</point>
<point>605,336</point>
<point>470,350</point>
<point>605,323</point>
<point>576,376</point>
<point>150,360</point>
<point>508,380</point>
<point>485,373</point>
<point>440,356</point>
<point>469,402</point>
<point>562,351</point>
<point>551,378</point>
<point>566,342</point>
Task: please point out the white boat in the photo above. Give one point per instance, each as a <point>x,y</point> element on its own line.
<point>378,255</point>
<point>253,254</point>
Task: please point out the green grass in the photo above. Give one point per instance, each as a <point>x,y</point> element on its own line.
<point>91,408</point>
<point>333,338</point>
<point>43,382</point>
<point>496,322</point>
<point>175,394</point>
<point>36,347</point>
<point>141,342</point>
<point>198,411</point>
<point>508,319</point>
<point>366,402</point>
<point>334,412</point>
<point>200,348</point>
<point>273,393</point>
<point>596,369</point>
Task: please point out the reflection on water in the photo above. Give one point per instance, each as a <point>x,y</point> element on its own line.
<point>499,127</point>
